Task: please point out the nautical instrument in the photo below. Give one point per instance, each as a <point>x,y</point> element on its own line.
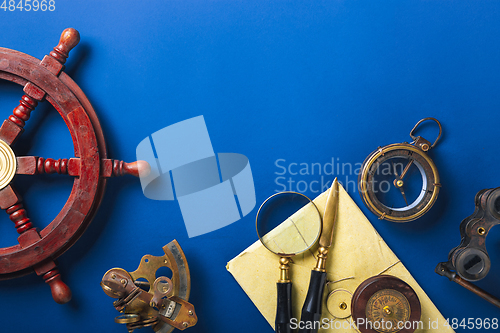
<point>144,299</point>
<point>385,304</point>
<point>400,182</point>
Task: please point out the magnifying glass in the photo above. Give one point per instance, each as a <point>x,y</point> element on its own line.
<point>288,223</point>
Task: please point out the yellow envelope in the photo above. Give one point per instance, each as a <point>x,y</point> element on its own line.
<point>358,252</point>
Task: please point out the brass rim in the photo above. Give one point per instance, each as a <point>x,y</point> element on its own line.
<point>8,164</point>
<point>343,303</point>
<point>302,250</point>
<point>363,182</point>
<point>127,318</point>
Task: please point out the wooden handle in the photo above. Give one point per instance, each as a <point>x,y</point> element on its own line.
<point>60,291</point>
<point>138,168</point>
<point>69,39</point>
<point>115,168</point>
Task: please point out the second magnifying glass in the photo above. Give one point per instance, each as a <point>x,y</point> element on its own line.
<point>288,223</point>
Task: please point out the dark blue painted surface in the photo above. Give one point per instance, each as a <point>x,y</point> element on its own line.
<point>280,82</point>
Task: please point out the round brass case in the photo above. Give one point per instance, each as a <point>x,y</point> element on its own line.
<point>385,304</point>
<point>8,164</point>
<point>419,158</point>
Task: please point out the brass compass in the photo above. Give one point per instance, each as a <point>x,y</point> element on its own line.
<point>399,182</point>
<point>385,304</point>
<point>390,306</point>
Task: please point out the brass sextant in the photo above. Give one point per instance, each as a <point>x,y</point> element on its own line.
<point>144,299</point>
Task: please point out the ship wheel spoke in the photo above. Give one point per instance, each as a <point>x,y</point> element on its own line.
<point>12,203</point>
<point>13,126</point>
<point>34,165</point>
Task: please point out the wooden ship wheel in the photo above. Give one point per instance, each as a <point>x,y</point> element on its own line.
<point>90,167</point>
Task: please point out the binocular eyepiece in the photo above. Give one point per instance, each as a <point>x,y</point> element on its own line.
<point>470,259</point>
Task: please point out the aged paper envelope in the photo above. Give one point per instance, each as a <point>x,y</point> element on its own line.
<point>358,252</point>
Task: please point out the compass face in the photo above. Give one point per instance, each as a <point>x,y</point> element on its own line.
<point>399,182</point>
<point>388,310</point>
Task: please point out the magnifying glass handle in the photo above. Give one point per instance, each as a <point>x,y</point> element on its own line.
<point>311,311</point>
<point>284,308</point>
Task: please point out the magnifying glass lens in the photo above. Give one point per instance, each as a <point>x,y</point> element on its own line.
<point>288,223</point>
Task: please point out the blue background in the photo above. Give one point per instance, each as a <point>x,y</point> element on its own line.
<point>303,81</point>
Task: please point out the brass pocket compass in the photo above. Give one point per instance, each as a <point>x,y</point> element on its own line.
<point>385,304</point>
<point>399,182</point>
